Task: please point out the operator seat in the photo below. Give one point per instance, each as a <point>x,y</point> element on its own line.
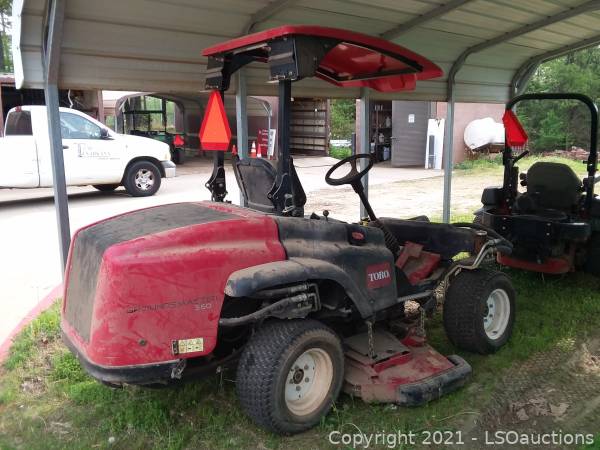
<point>256,177</point>
<point>551,188</point>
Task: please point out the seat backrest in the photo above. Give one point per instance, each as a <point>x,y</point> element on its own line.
<point>553,185</point>
<point>256,177</point>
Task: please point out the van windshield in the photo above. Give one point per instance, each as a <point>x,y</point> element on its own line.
<point>18,123</point>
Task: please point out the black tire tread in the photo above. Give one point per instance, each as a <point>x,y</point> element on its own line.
<point>592,260</point>
<point>129,184</point>
<point>460,316</point>
<point>258,370</point>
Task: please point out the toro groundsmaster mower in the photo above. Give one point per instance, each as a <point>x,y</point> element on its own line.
<point>554,225</point>
<point>306,305</point>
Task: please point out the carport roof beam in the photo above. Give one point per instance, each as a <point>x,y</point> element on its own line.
<point>525,72</point>
<point>263,14</point>
<point>567,14</point>
<point>398,30</point>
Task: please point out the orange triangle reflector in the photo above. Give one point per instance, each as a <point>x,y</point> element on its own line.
<point>215,133</point>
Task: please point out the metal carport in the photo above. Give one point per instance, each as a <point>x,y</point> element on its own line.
<point>487,49</point>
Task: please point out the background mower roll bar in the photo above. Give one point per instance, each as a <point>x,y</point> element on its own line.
<point>510,177</point>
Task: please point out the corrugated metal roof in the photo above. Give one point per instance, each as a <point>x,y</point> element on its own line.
<point>155,45</point>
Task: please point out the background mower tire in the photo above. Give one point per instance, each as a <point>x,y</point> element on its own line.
<point>290,374</point>
<point>479,310</point>
<point>592,261</point>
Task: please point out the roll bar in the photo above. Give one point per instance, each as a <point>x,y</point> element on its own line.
<point>509,160</point>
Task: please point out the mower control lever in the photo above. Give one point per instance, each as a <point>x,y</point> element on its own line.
<point>353,178</point>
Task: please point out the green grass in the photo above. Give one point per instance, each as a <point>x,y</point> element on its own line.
<point>340,152</point>
<point>494,164</point>
<point>47,401</point>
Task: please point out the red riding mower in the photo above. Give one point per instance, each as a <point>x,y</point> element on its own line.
<point>305,305</point>
<point>554,225</point>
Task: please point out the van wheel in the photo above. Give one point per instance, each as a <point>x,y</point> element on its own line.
<point>106,187</point>
<point>290,374</point>
<point>142,179</point>
<point>479,310</point>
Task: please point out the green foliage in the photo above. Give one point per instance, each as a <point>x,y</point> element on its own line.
<point>6,60</point>
<point>40,332</point>
<point>340,152</point>
<point>561,124</point>
<point>480,163</point>
<point>343,118</point>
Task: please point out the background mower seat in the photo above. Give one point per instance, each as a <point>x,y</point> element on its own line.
<point>550,186</point>
<point>255,178</point>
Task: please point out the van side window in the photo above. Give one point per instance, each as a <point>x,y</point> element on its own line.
<point>73,126</point>
<point>18,123</point>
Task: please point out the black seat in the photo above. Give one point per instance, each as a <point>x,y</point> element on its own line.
<point>550,186</point>
<point>256,177</point>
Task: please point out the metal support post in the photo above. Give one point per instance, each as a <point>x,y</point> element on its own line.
<point>51,59</point>
<point>241,119</point>
<point>364,146</point>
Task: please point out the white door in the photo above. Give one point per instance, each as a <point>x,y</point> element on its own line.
<point>90,157</point>
<point>18,153</point>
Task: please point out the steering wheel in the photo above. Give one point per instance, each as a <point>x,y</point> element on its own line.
<point>354,175</point>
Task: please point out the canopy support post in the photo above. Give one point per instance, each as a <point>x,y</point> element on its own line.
<point>217,184</point>
<point>364,146</point>
<point>448,152</point>
<point>241,119</point>
<point>51,59</point>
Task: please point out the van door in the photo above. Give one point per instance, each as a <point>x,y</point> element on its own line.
<point>18,152</point>
<point>90,157</point>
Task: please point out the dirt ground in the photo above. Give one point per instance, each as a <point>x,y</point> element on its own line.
<point>405,199</point>
<point>555,391</point>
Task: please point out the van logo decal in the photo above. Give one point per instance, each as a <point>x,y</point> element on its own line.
<point>379,275</point>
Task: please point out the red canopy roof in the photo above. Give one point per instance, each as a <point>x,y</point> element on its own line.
<point>357,60</point>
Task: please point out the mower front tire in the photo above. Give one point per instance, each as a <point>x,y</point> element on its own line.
<point>479,310</point>
<point>290,374</point>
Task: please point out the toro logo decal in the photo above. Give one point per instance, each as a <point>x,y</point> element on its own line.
<point>379,275</point>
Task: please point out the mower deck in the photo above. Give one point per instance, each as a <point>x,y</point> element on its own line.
<point>407,372</point>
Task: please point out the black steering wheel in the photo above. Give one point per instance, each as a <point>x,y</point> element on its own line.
<point>354,175</point>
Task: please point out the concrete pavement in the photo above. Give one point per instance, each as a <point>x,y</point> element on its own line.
<point>30,266</point>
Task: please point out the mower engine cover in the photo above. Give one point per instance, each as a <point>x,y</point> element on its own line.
<point>140,282</point>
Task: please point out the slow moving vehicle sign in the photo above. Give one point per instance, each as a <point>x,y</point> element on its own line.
<point>215,133</point>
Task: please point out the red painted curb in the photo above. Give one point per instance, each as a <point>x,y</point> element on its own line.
<point>42,306</point>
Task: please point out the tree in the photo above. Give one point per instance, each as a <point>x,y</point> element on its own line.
<point>561,124</point>
<point>6,62</point>
<point>343,113</point>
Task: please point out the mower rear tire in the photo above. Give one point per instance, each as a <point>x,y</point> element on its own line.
<point>592,260</point>
<point>479,310</point>
<point>290,374</point>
